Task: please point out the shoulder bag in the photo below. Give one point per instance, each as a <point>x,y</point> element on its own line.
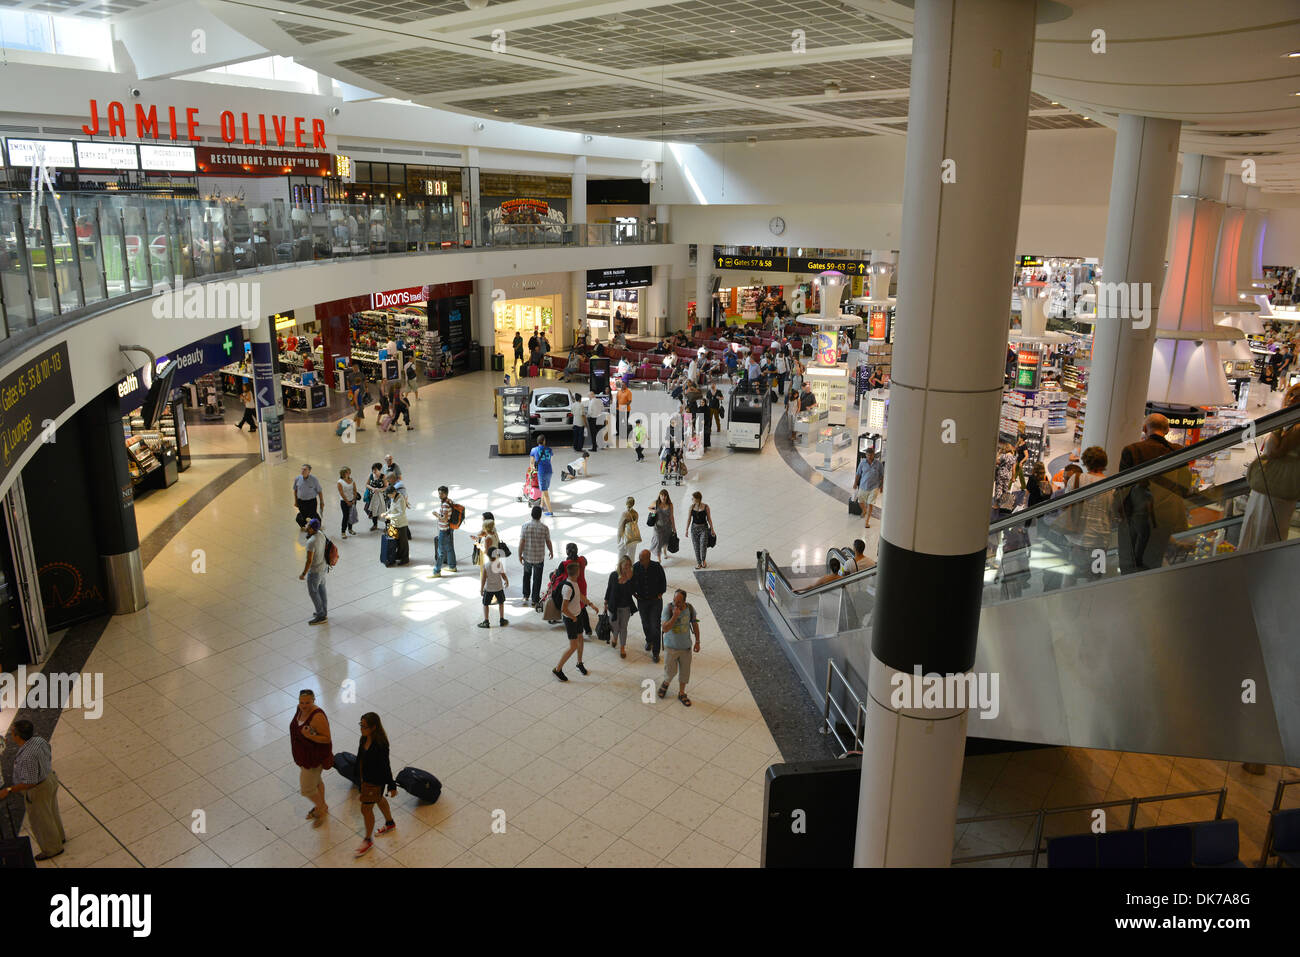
<point>1275,477</point>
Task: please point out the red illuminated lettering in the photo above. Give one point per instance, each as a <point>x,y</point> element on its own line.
<point>281,124</point>
<point>318,134</point>
<point>116,119</point>
<point>146,123</point>
<point>298,131</point>
<point>228,126</point>
<point>243,118</point>
<point>171,120</point>
<point>192,123</point>
<point>94,118</point>
<point>261,125</point>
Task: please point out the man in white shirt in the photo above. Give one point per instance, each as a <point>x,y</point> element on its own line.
<point>782,371</point>
<point>398,504</point>
<point>595,416</point>
<point>314,570</point>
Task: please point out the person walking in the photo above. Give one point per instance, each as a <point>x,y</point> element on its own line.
<point>1268,512</point>
<point>620,603</point>
<point>311,745</point>
<point>638,440</point>
<point>703,534</point>
<point>35,780</point>
<point>314,569</point>
<point>308,496</point>
<point>492,584</point>
<point>648,586</point>
<point>714,400</point>
<point>541,455</point>
<point>665,527</point>
<point>518,346</point>
<point>868,482</point>
<point>595,418</point>
<point>782,365</point>
<point>391,467</point>
<point>444,551</point>
<point>374,494</point>
<point>623,417</point>
<point>629,532</point>
<point>348,495</point>
<point>573,601</point>
<point>534,549</point>
<point>487,538</point>
<point>374,775</point>
<point>1155,509</point>
<point>679,623</point>
<point>401,408</point>
<point>250,411</point>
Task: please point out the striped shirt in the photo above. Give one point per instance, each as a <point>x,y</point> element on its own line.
<point>533,540</point>
<point>32,763</point>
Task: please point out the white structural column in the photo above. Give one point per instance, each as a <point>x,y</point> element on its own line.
<point>575,316</point>
<point>971,67</point>
<point>1137,226</point>
<point>654,304</point>
<point>578,197</point>
<point>483,319</point>
<point>704,282</point>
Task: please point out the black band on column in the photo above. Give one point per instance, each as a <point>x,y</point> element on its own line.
<point>927,609</point>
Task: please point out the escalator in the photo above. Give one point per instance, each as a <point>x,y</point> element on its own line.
<point>1199,657</point>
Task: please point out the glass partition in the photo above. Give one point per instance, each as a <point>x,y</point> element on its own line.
<point>15,274</point>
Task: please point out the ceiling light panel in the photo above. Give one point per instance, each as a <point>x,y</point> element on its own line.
<point>390,11</point>
<point>703,30</point>
<point>424,71</point>
<point>305,33</point>
<point>596,99</point>
<point>853,76</point>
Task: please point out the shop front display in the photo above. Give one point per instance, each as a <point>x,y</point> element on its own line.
<point>527,317</point>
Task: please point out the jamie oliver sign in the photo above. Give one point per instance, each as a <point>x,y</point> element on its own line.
<point>619,277</point>
<point>282,131</point>
<point>31,398</point>
<point>217,160</point>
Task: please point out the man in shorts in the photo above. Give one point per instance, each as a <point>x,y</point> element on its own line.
<point>679,622</point>
<point>868,483</point>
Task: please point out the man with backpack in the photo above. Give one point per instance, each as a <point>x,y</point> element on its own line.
<point>571,601</point>
<point>315,568</point>
<point>450,515</point>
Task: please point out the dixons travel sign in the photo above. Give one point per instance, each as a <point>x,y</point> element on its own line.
<point>182,123</point>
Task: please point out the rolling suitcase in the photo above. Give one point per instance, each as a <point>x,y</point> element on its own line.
<point>387,549</point>
<point>422,785</point>
<point>345,763</point>
<point>533,372</point>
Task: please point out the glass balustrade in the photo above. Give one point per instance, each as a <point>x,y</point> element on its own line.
<point>1232,493</point>
<point>71,251</point>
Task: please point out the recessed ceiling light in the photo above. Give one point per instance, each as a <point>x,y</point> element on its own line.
<point>756,86</point>
<point>1087,117</point>
<point>1293,53</point>
<point>1054,103</point>
<point>568,103</point>
<point>600,49</point>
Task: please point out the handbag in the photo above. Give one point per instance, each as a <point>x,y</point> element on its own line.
<point>650,519</point>
<point>674,543</point>
<point>855,507</point>
<point>603,628</point>
<point>504,549</point>
<point>352,513</point>
<point>391,531</point>
<point>713,539</point>
<point>476,556</point>
<point>1275,477</point>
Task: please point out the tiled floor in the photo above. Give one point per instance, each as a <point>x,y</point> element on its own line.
<point>189,767</point>
<point>203,682</point>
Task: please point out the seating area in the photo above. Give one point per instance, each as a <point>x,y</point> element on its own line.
<point>648,367</point>
<point>1206,844</point>
<point>1283,839</point>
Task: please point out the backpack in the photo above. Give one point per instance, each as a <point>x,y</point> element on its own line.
<point>457,516</point>
<point>331,553</point>
<point>557,591</point>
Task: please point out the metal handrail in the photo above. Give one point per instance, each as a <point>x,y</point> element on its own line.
<point>852,577</point>
<point>1282,785</point>
<point>859,719</point>
<point>1040,816</point>
<point>1282,418</point>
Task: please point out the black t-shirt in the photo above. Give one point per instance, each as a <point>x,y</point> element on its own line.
<point>806,401</point>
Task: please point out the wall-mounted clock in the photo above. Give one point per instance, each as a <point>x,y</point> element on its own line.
<point>776,225</point>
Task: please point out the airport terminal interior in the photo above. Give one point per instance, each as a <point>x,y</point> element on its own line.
<point>932,364</point>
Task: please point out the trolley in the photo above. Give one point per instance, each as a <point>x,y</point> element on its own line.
<point>672,465</point>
